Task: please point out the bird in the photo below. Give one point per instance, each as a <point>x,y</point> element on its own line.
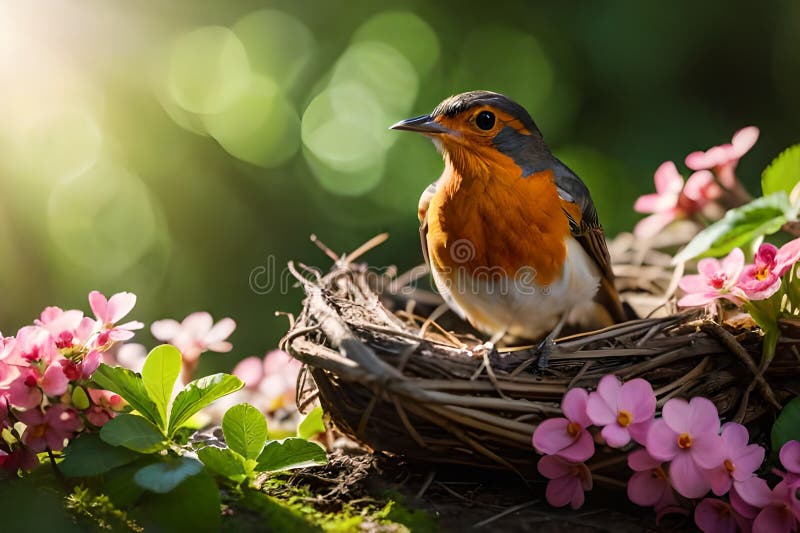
<point>510,233</point>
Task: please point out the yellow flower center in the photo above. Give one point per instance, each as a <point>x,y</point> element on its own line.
<point>624,418</point>
<point>573,429</point>
<point>684,441</point>
<point>729,466</point>
<point>762,273</point>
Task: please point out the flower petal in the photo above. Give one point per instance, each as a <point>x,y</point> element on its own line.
<point>754,491</point>
<point>698,299</point>
<point>774,519</point>
<point>562,490</point>
<point>120,305</point>
<point>220,331</point>
<point>787,256</point>
<point>551,436</point>
<point>650,226</point>
<point>616,436</point>
<point>733,264</point>
<point>676,415</point>
<point>720,480</point>
<point>251,371</point>
<point>694,283</point>
<point>552,466</point>
<point>197,325</point>
<point>714,516</point>
<point>165,330</point>
<point>98,303</point>
<point>220,347</point>
<point>707,450</point>
<point>687,478</point>
<point>667,179</point>
<point>637,397</point>
<point>574,406</point>
<point>698,187</point>
<point>580,450</point>
<point>747,462</point>
<point>709,267</point>
<point>790,456</point>
<point>743,140</point>
<point>662,441</point>
<point>639,460</point>
<point>599,412</point>
<point>703,417</point>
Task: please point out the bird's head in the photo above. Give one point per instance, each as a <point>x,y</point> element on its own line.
<point>479,131</point>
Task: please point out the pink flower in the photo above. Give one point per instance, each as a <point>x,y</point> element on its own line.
<point>762,279</point>
<point>715,280</point>
<point>50,429</point>
<point>724,158</point>
<point>568,436</point>
<point>759,280</point>
<point>271,381</point>
<point>780,511</point>
<point>790,459</point>
<point>740,460</point>
<point>715,516</point>
<point>673,200</point>
<point>20,458</point>
<point>26,390</point>
<point>568,481</point>
<point>687,435</point>
<point>625,410</point>
<point>196,334</point>
<point>649,484</point>
<point>32,344</point>
<point>109,312</point>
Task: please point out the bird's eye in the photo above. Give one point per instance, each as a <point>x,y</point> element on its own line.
<point>485,120</point>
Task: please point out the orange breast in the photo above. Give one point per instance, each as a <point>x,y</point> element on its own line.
<point>502,221</point>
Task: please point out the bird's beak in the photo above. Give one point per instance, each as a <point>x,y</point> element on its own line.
<point>423,124</point>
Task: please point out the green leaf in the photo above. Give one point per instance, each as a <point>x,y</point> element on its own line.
<point>119,485</point>
<point>160,370</point>
<point>783,173</point>
<point>245,430</point>
<point>130,387</point>
<point>224,462</point>
<point>198,394</point>
<point>787,425</point>
<point>289,454</point>
<point>80,398</point>
<point>194,506</point>
<point>88,456</point>
<point>762,216</point>
<point>312,425</point>
<point>164,476</point>
<point>133,432</point>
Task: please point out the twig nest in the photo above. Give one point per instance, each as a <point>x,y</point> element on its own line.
<point>398,383</point>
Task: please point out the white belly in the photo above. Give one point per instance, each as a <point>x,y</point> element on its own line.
<point>495,302</point>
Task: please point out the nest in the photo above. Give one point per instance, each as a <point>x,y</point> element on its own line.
<point>400,380</point>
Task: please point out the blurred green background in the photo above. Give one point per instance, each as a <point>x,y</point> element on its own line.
<point>171,148</point>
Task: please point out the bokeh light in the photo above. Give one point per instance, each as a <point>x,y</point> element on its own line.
<point>208,69</point>
<point>405,32</point>
<point>102,220</point>
<point>260,126</point>
<point>278,45</point>
<point>56,142</point>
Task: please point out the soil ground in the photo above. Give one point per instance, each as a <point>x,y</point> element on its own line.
<point>461,498</point>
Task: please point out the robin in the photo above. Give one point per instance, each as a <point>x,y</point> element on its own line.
<point>510,233</point>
